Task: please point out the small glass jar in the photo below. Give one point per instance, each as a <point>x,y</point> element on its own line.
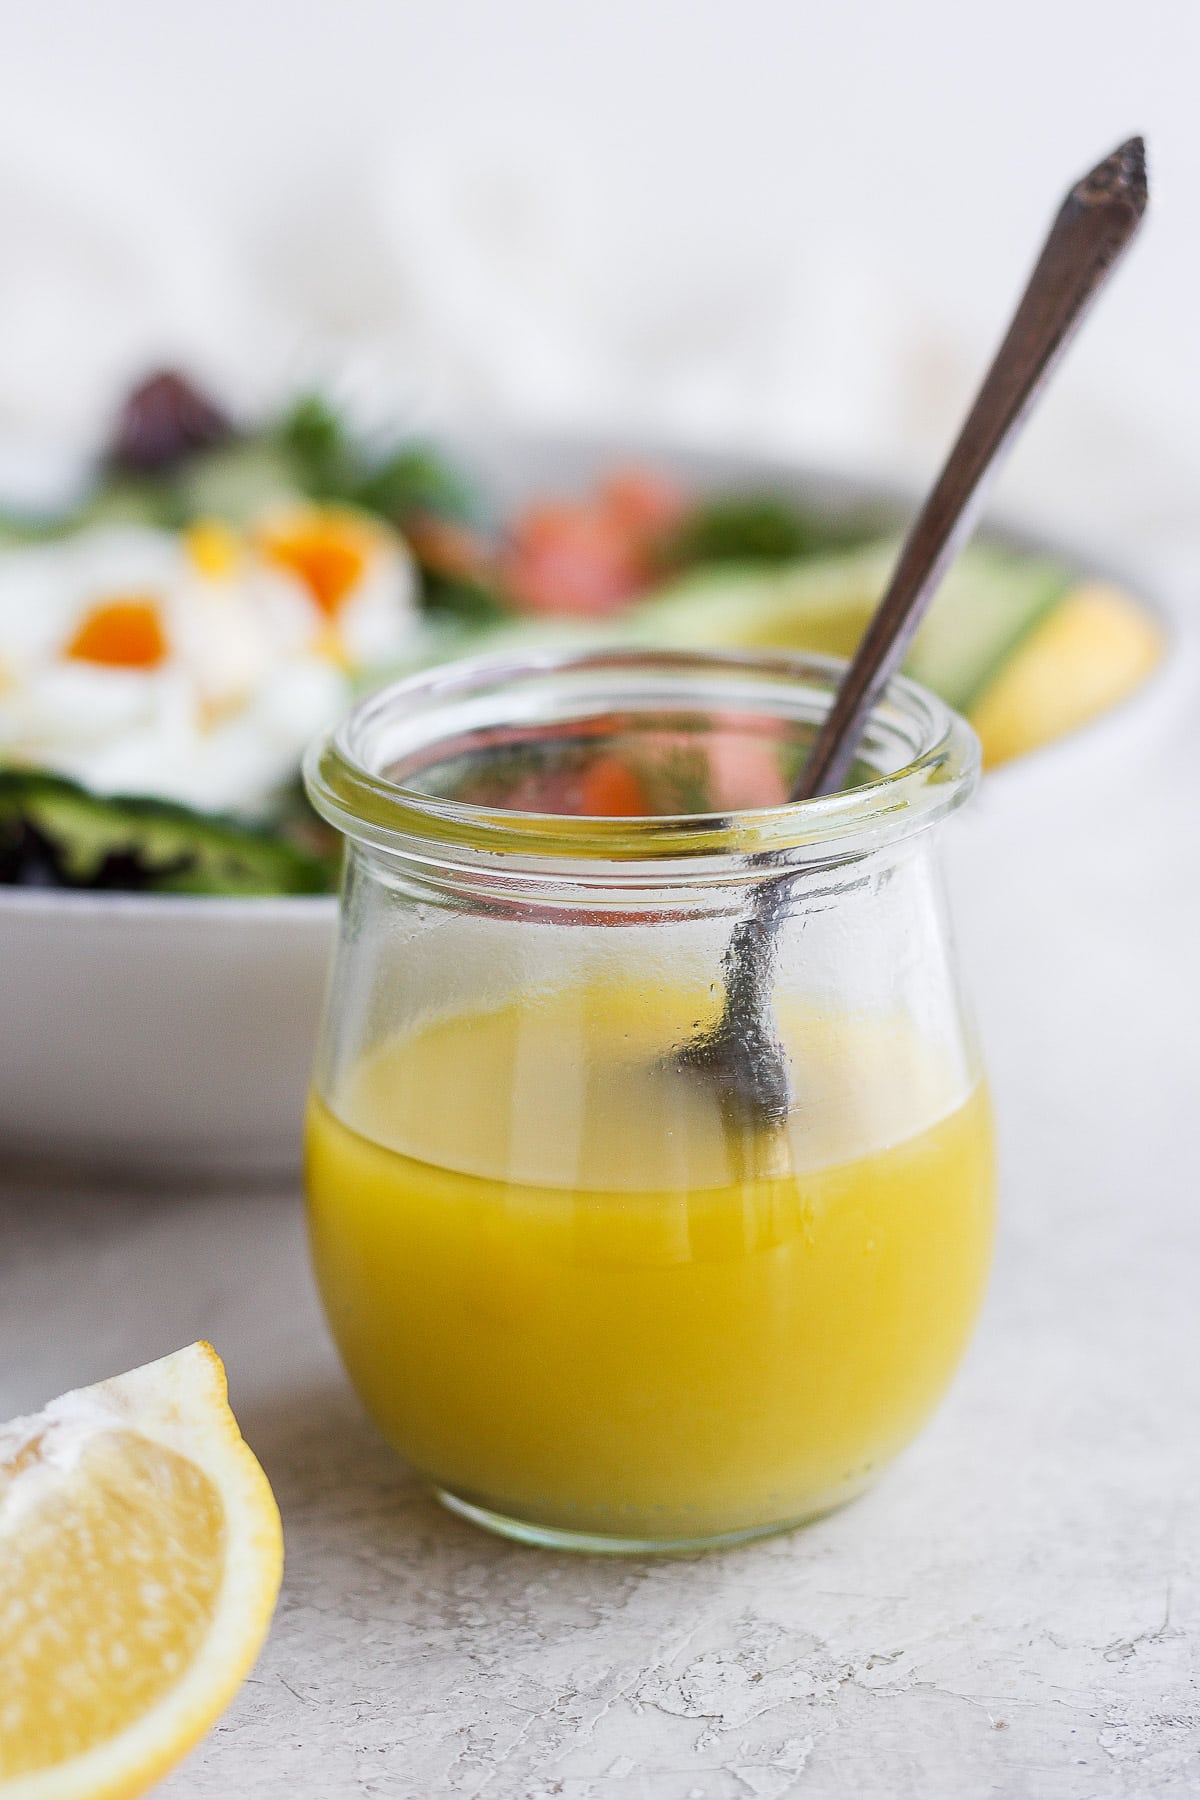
<point>589,1305</point>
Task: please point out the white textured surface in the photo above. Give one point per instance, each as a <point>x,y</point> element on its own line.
<point>1014,1612</point>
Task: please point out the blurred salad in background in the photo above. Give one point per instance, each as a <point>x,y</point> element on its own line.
<point>220,593</point>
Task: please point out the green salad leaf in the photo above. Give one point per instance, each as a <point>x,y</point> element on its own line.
<point>54,833</point>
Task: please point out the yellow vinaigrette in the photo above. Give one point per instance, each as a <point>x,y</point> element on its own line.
<point>569,1299</point>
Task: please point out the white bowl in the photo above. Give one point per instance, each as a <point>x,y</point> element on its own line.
<point>156,1031</point>
<point>165,1033</point>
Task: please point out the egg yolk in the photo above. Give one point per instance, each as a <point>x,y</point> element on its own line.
<point>326,552</point>
<point>123,633</point>
<point>212,547</point>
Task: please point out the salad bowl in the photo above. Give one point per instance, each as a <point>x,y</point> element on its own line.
<point>172,1034</point>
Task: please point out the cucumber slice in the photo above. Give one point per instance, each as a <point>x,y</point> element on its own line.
<point>54,833</point>
<point>987,605</point>
<point>237,481</point>
<point>818,604</point>
<point>988,602</point>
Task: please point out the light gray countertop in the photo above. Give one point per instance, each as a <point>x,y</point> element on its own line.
<point>1015,1611</point>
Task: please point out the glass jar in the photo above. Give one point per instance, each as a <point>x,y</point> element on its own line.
<point>588,1304</point>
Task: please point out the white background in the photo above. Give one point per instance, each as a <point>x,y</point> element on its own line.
<point>789,224</point>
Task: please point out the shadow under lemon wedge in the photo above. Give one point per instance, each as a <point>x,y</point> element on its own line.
<point>140,1561</point>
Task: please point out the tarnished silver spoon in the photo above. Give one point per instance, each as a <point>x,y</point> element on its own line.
<point>739,1055</point>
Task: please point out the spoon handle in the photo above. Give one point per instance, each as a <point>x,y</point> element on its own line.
<point>1095,224</point>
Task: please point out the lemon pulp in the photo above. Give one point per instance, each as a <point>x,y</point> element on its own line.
<point>153,1523</point>
<point>140,1556</point>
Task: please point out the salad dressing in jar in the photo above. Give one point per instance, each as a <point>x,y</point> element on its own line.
<point>590,1310</point>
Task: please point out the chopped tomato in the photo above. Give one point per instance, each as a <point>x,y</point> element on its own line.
<point>642,501</point>
<point>593,556</point>
<point>611,790</point>
<point>571,559</point>
<point>125,632</point>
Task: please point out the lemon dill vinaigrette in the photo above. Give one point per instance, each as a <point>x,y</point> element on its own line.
<point>589,1307</point>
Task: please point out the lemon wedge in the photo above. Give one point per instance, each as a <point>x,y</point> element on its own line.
<point>140,1559</point>
<point>1090,653</point>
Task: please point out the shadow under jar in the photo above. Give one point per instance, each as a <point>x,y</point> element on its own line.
<point>587,1307</point>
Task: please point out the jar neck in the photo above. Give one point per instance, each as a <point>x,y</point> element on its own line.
<point>385,777</point>
<point>627,894</point>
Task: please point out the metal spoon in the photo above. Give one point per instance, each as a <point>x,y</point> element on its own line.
<point>740,1055</point>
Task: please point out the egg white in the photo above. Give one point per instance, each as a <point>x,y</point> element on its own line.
<point>247,678</point>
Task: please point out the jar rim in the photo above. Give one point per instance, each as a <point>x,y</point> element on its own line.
<point>343,770</point>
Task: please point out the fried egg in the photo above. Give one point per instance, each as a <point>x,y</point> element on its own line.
<point>195,666</point>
